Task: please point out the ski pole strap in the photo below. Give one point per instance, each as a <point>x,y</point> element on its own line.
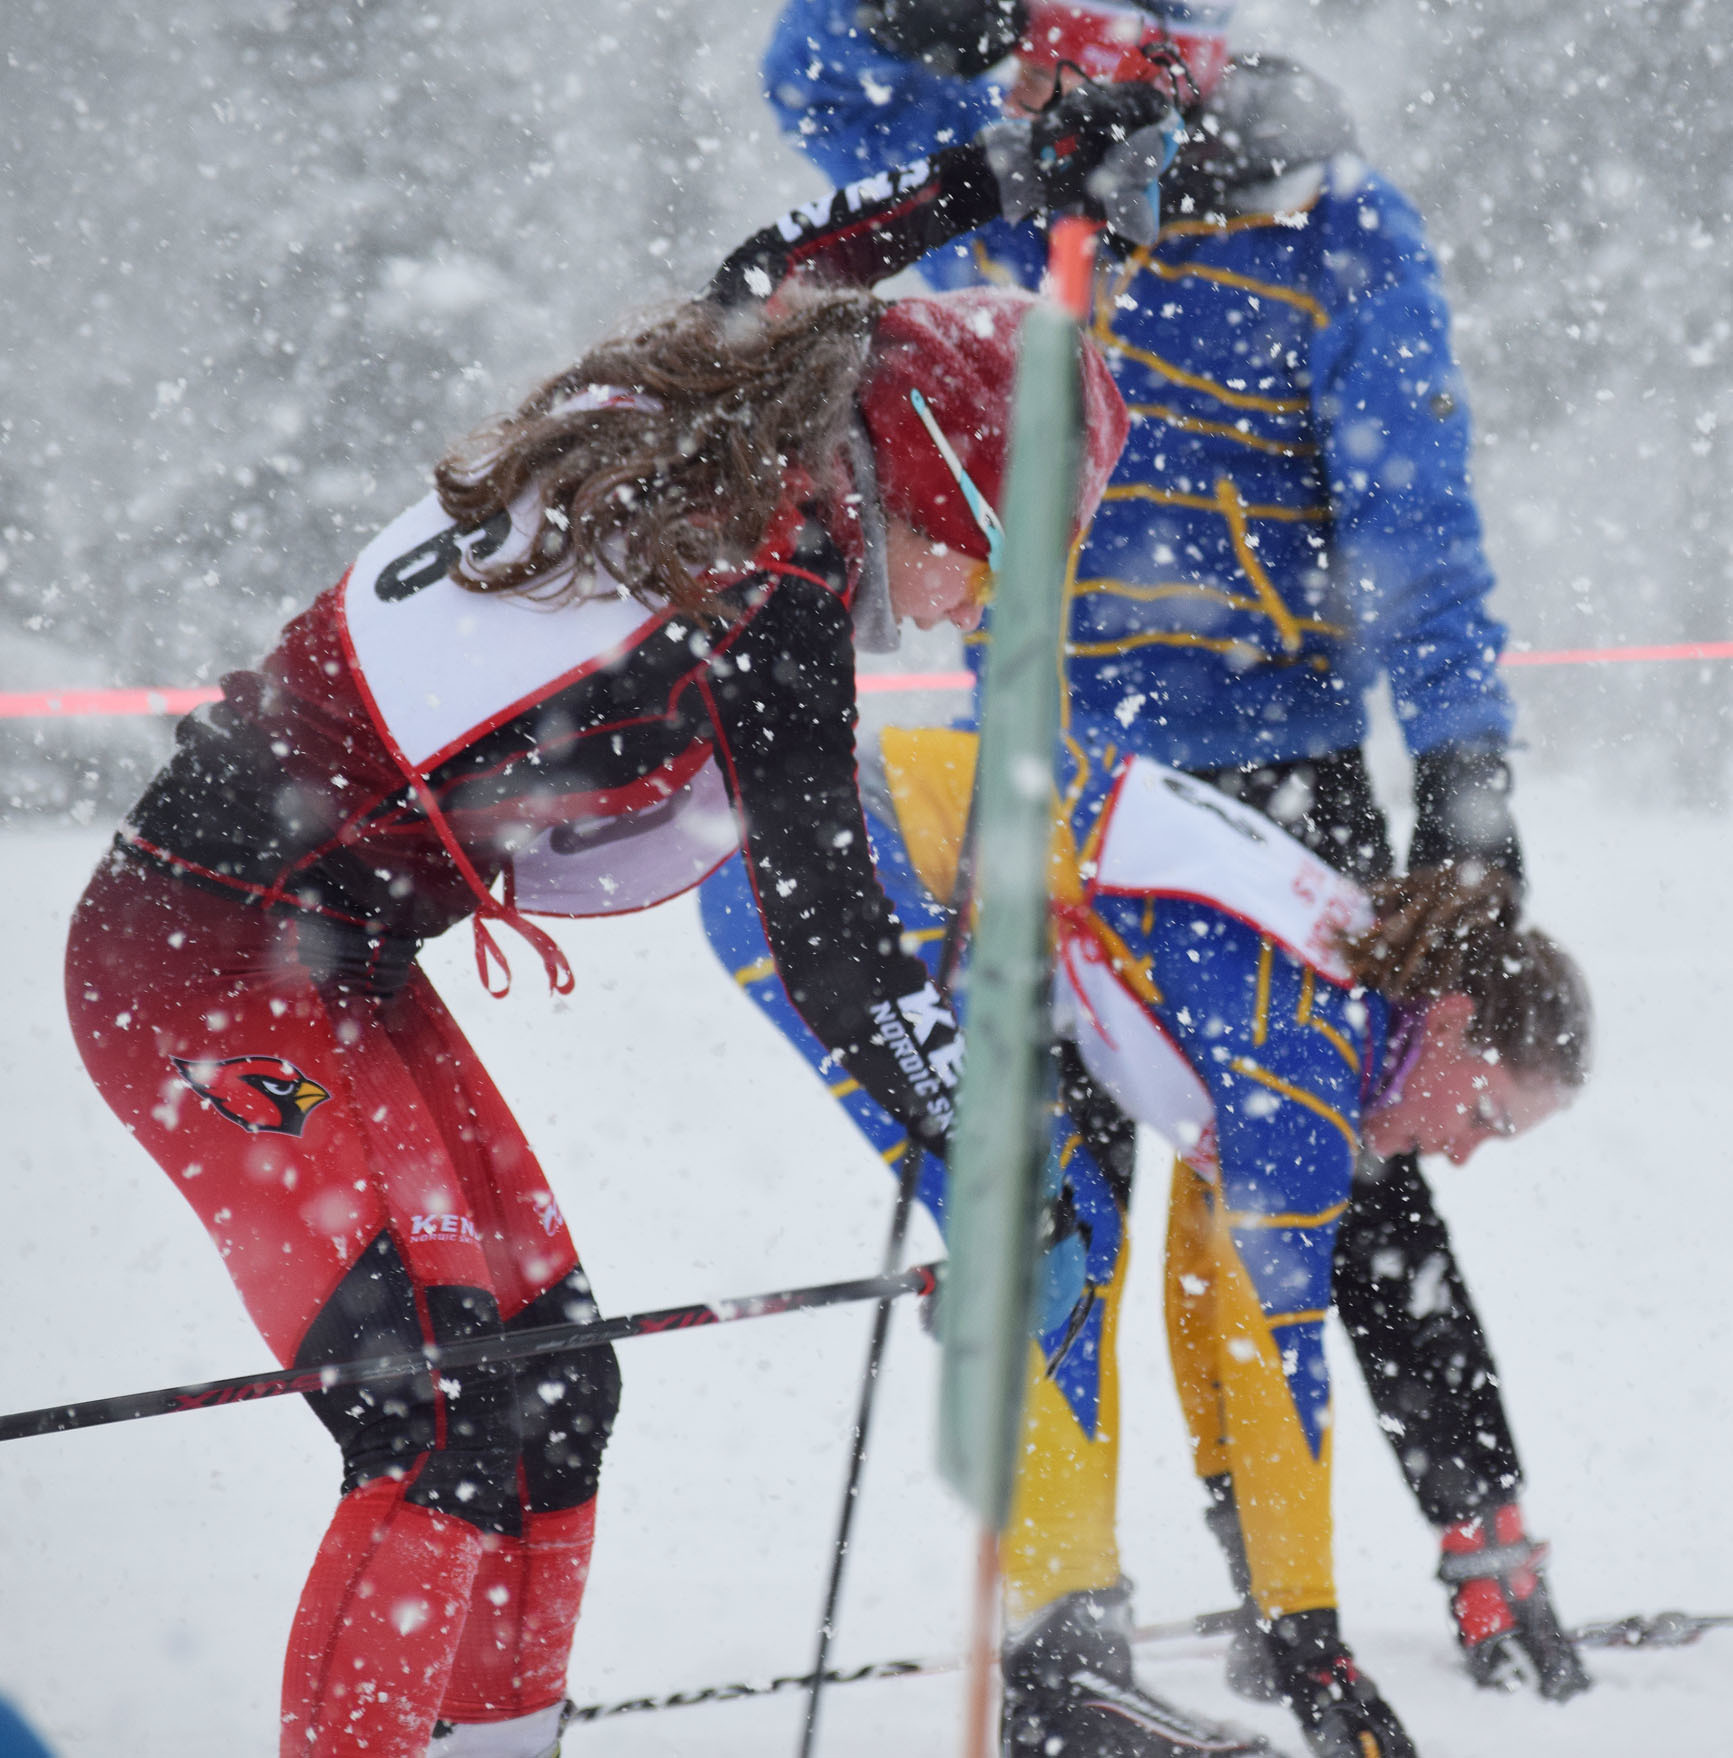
<point>470,1352</point>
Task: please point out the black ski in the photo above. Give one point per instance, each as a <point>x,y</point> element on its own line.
<point>1663,1630</point>
<point>1206,1624</point>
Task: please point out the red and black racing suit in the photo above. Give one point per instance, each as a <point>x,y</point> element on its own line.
<point>243,986</point>
<point>242,983</point>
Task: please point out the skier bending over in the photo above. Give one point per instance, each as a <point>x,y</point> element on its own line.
<point>615,642</point>
<point>1230,990</point>
<point>1291,521</point>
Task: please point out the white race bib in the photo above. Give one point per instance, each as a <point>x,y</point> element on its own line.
<point>439,666</point>
<point>607,866</point>
<point>1124,1048</point>
<point>1170,835</point>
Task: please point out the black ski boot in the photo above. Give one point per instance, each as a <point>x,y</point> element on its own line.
<point>1538,1653</point>
<point>1250,1671</point>
<point>1070,1693</point>
<point>1339,1709</point>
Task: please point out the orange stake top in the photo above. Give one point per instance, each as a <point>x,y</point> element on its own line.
<point>1071,263</point>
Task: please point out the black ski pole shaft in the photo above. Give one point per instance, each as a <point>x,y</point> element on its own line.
<point>908,1176</point>
<point>505,1346</point>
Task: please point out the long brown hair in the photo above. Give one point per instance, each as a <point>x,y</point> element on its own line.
<point>679,478</point>
<point>1452,931</point>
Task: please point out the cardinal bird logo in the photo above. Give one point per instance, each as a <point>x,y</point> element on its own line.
<point>265,1095</point>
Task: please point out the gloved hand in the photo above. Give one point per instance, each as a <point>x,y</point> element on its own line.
<point>1099,150</point>
<point>1504,1615</point>
<point>1462,810</point>
<point>958,37</point>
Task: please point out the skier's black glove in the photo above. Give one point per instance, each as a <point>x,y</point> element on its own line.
<point>1462,811</point>
<point>1510,1634</point>
<point>959,37</point>
<point>1098,150</point>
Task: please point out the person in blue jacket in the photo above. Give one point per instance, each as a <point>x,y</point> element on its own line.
<point>1291,523</point>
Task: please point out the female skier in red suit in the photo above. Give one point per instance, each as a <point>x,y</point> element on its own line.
<point>615,642</point>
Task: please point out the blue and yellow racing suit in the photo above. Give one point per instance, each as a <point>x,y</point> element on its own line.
<point>1285,1057</point>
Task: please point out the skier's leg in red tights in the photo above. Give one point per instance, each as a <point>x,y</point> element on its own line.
<point>511,1662</point>
<point>523,1610</point>
<point>287,1114</point>
<point>377,1626</point>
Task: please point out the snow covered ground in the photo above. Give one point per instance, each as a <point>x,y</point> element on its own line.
<point>147,1573</point>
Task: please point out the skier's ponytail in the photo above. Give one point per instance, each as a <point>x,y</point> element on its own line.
<point>1452,930</point>
<point>659,457</point>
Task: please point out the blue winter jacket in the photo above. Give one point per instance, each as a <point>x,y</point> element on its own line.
<point>1292,515</point>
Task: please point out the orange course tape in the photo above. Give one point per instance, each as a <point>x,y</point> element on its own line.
<point>71,704</point>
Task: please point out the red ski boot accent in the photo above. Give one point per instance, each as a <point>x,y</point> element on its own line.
<point>1505,1622</point>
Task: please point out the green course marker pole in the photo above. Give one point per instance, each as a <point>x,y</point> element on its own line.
<point>999,1141</point>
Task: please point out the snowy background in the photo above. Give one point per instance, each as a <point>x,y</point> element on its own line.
<point>258,259</point>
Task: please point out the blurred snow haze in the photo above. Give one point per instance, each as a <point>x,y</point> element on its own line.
<point>262,258</point>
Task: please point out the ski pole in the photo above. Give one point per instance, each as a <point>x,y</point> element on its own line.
<point>472,1352</point>
<point>908,1176</point>
<point>1664,1630</point>
<point>1205,1625</point>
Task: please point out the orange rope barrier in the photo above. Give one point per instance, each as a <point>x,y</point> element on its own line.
<point>79,704</point>
<point>76,704</point>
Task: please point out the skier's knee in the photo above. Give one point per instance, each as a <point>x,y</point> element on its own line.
<point>567,1419</point>
<point>470,1470</point>
<point>566,1404</point>
<point>454,1443</point>
<point>394,1429</point>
